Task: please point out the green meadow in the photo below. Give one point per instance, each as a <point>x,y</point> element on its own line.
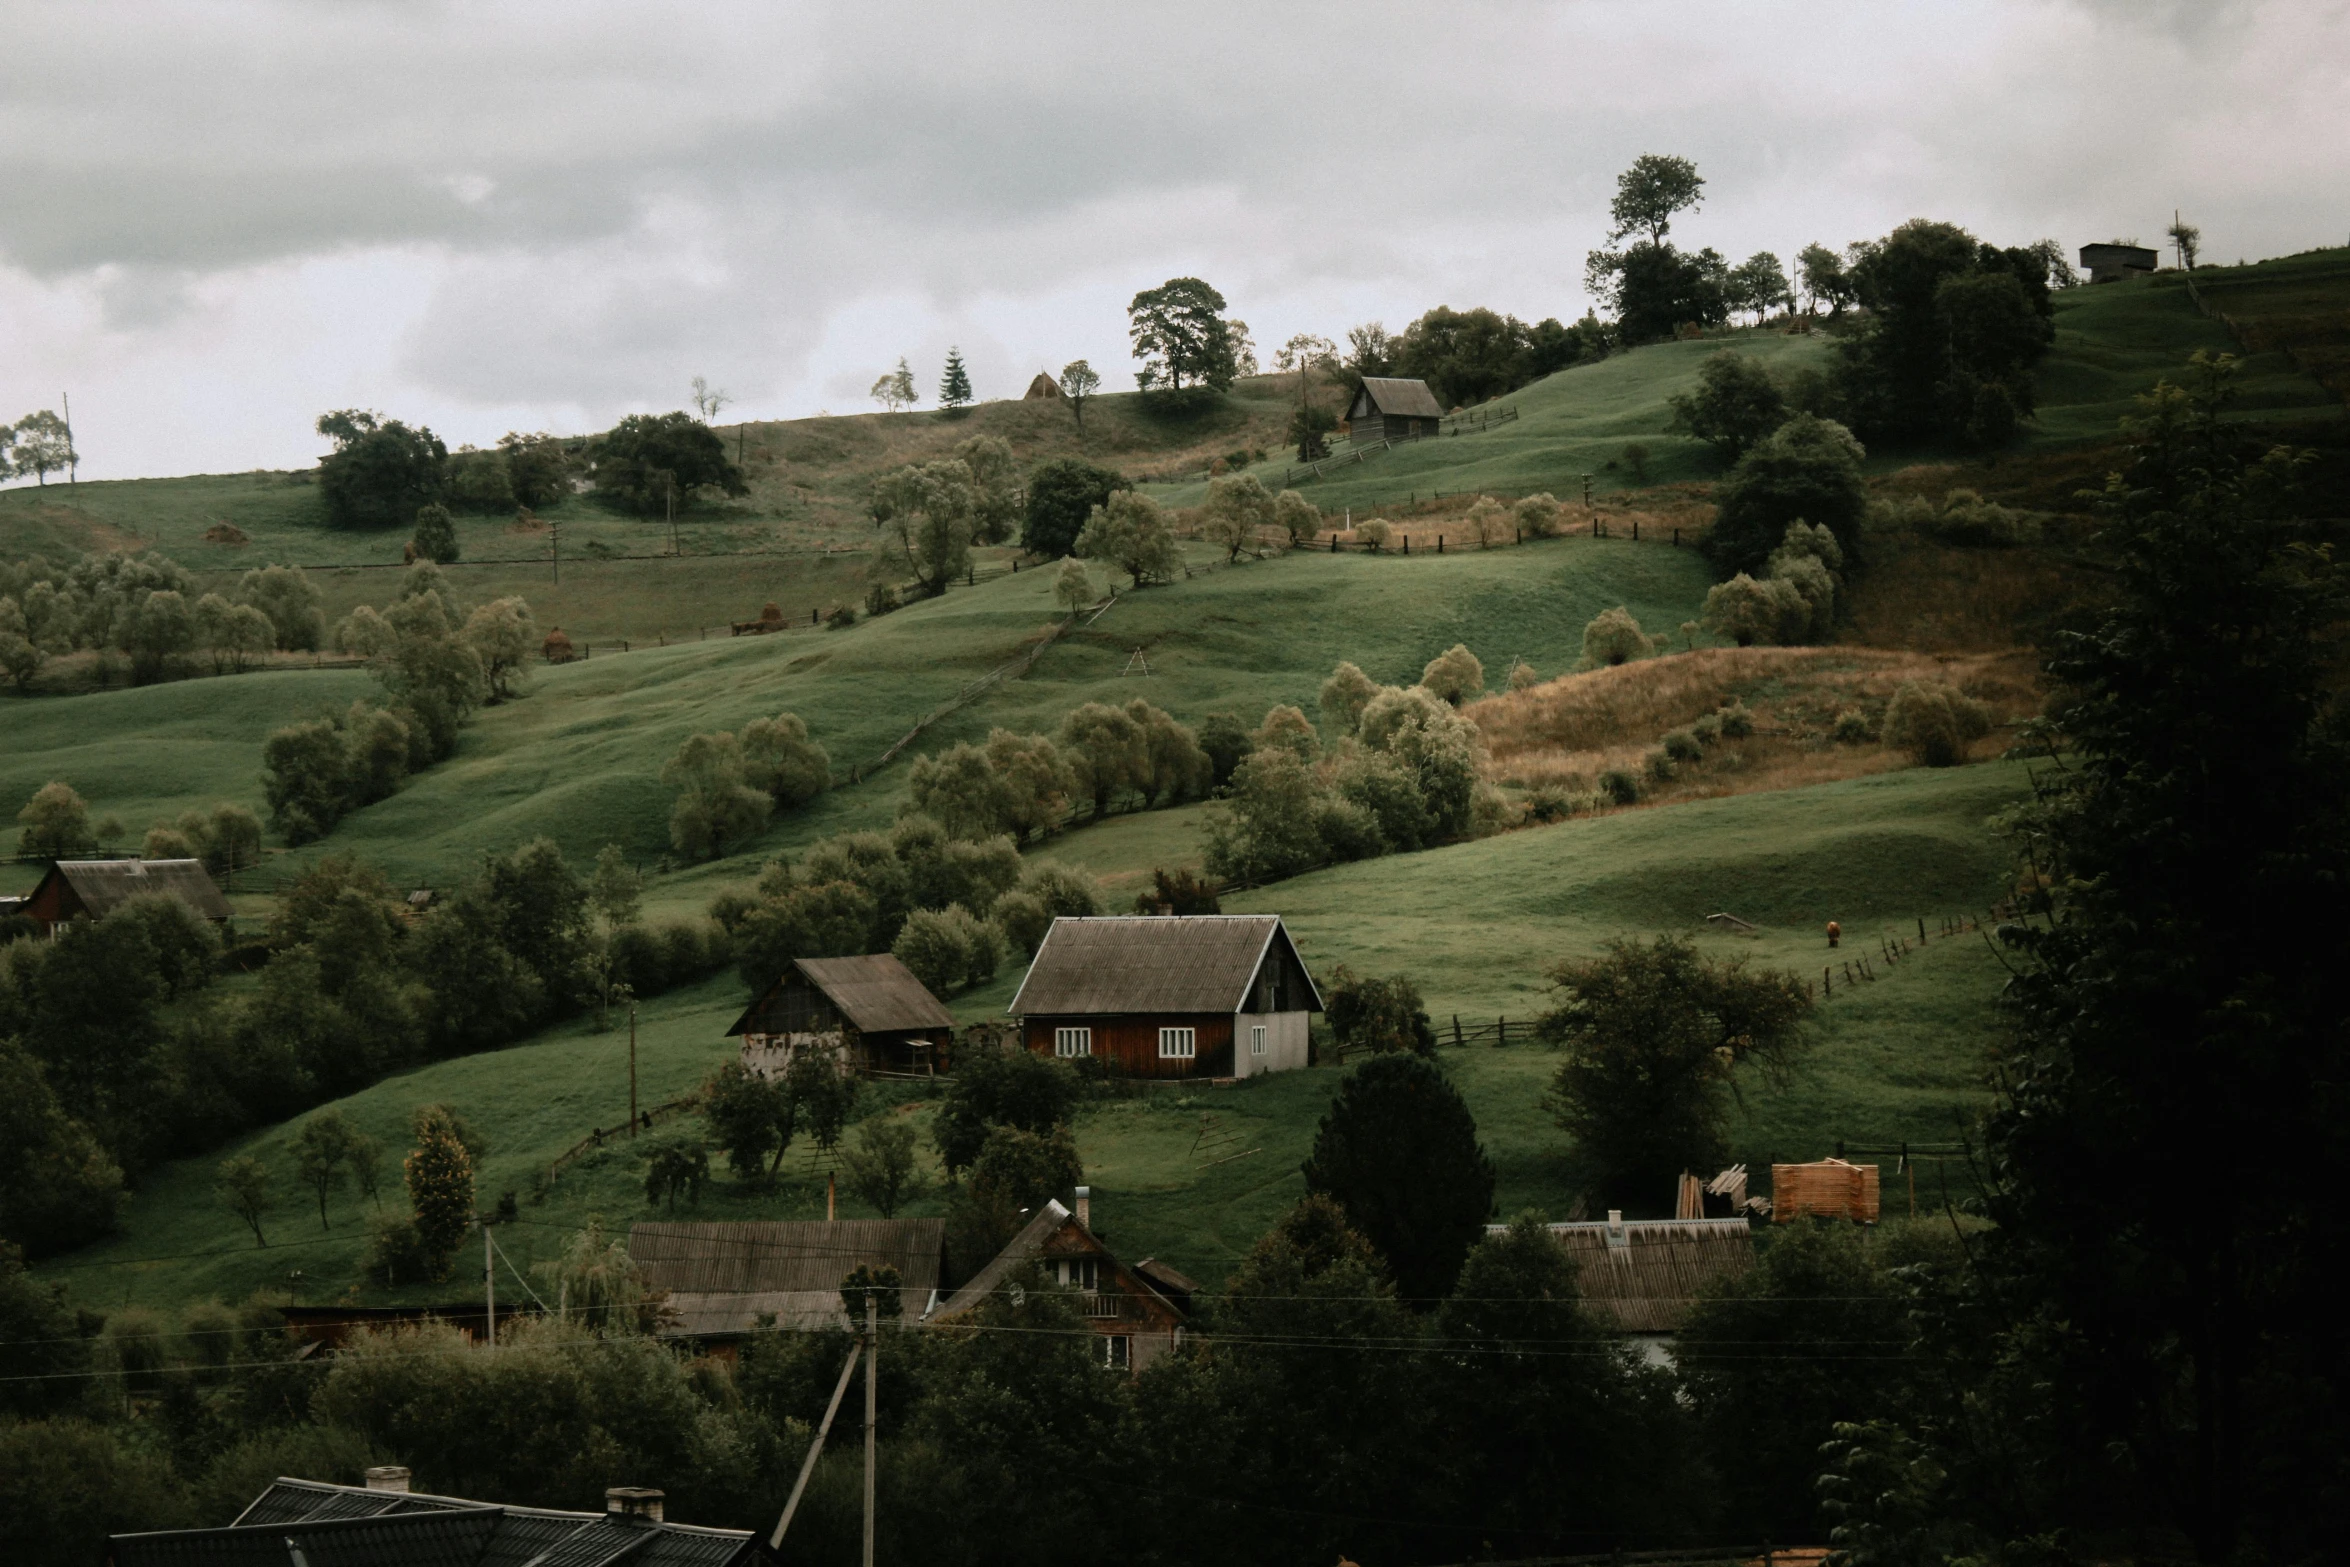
<point>1194,1173</point>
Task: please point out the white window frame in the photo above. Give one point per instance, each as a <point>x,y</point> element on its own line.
<point>1178,1044</point>
<point>1118,1351</point>
<point>1256,1039</point>
<point>1069,1043</point>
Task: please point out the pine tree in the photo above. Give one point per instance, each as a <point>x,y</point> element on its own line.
<point>954,389</point>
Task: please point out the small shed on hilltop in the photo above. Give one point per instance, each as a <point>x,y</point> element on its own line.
<point>1133,1320</point>
<point>1043,387</point>
<point>93,889</point>
<point>2113,261</point>
<point>1170,995</point>
<point>871,1010</point>
<point>1388,408</point>
<point>722,1278</point>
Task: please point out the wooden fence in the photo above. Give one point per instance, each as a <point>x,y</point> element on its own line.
<point>1468,421</point>
<point>604,1134</point>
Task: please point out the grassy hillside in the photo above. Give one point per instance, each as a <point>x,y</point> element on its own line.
<point>579,757</point>
<point>1476,924</point>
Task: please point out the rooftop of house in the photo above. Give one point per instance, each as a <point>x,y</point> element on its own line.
<point>308,1523</point>
<point>102,886</point>
<point>877,994</point>
<point>1402,397</point>
<point>722,1278</point>
<point>1648,1273</point>
<point>1133,963</point>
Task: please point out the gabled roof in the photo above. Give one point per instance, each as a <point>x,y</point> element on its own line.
<point>877,994</point>
<point>1407,399</point>
<point>324,1525</point>
<point>1648,1273</point>
<point>1034,1241</point>
<point>1151,963</point>
<point>106,885</point>
<point>722,1278</point>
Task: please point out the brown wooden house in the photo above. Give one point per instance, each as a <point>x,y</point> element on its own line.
<point>1157,995</point>
<point>1133,1320</point>
<point>870,1011</point>
<point>93,889</point>
<point>1386,408</point>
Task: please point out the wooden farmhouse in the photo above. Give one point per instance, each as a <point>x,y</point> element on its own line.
<point>93,889</point>
<point>1388,409</point>
<point>1134,1317</point>
<point>1158,995</point>
<point>870,1011</point>
<point>384,1524</point>
<point>721,1279</point>
<point>1645,1275</point>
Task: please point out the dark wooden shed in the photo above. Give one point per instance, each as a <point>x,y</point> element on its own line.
<point>1386,408</point>
<point>93,889</point>
<point>875,1013</point>
<point>1202,995</point>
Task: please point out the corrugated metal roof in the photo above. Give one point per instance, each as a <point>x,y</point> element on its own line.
<point>722,1277</point>
<point>1147,963</point>
<point>348,1526</point>
<point>876,993</point>
<point>1405,398</point>
<point>1648,1273</point>
<point>1023,1247</point>
<point>106,885</point>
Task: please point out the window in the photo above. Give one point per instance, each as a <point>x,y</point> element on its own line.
<point>1178,1044</point>
<point>1072,1041</point>
<point>1082,1272</point>
<point>1117,1351</point>
<point>1256,1039</point>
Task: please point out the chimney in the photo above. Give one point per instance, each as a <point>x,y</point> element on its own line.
<point>633,1502</point>
<point>388,1477</point>
<point>1085,1206</point>
<point>1617,1235</point>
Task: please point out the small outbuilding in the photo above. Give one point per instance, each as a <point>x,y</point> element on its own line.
<point>1133,1320</point>
<point>1043,388</point>
<point>870,1011</point>
<point>2114,261</point>
<point>1161,995</point>
<point>93,889</point>
<point>1387,408</point>
<point>721,1279</point>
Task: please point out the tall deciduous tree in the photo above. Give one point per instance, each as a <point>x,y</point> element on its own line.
<point>716,807</point>
<point>1131,532</point>
<point>1398,1151</point>
<point>645,459</point>
<point>1649,193</point>
<point>1062,493</point>
<point>1181,337</point>
<point>380,471</point>
<point>1736,404</point>
<point>42,445</point>
<point>927,517</point>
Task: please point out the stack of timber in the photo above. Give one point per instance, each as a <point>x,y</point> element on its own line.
<point>1830,1189</point>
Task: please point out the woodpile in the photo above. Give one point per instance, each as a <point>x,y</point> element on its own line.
<point>1830,1189</point>
<point>558,648</point>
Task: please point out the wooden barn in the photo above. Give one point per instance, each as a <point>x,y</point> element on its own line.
<point>722,1278</point>
<point>1159,995</point>
<point>1645,1275</point>
<point>1134,1318</point>
<point>93,889</point>
<point>870,1011</point>
<point>1388,409</point>
<point>2111,263</point>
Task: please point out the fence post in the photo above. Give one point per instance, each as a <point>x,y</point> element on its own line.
<point>1636,530</point>
<point>1440,544</point>
<point>1827,983</point>
<point>1676,538</point>
<point>1503,1033</point>
<point>1456,1031</point>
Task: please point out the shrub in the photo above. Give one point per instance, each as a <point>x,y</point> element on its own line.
<point>1737,404</point>
<point>396,1253</point>
<point>1934,723</point>
<point>1455,674</point>
<point>1748,612</point>
<point>1177,892</point>
<point>996,1087</point>
<point>715,806</point>
<point>1548,803</point>
<point>1373,532</point>
<point>1852,727</point>
<point>1046,893</point>
<point>1682,745</point>
<point>1538,516</point>
<point>879,1166</point>
<point>881,598</point>
<point>1378,1014</point>
<point>1807,469</point>
<point>1344,696</point>
<point>1296,516</point>
<point>1658,765</point>
<point>1286,728</point>
<point>1707,729</point>
<point>1522,676</point>
<point>1737,721</point>
<point>778,757</point>
<point>1613,637</point>
<point>436,534</point>
<point>1620,787</point>
<point>948,948</point>
<point>841,618</point>
<point>1490,522</point>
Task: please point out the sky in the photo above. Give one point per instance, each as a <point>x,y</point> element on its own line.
<point>220,219</point>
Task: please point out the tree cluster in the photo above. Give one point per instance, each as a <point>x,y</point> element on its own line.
<point>932,513</point>
<point>728,784</point>
<point>1401,771</point>
<point>148,608</point>
<point>1135,757</point>
<point>653,463</point>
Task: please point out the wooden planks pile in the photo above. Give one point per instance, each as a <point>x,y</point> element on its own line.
<point>1830,1189</point>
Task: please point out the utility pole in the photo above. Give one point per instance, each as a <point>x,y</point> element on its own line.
<point>489,1282</point>
<point>872,1361</point>
<point>555,538</point>
<point>73,458</point>
<point>632,1069</point>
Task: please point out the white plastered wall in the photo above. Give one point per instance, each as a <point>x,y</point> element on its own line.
<point>1285,1042</point>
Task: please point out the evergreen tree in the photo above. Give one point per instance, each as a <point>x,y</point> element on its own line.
<point>954,388</point>
<point>1398,1151</point>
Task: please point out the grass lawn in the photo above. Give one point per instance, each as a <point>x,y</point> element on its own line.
<point>1476,924</point>
<point>579,757</point>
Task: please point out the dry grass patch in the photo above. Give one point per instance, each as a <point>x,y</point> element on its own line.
<point>1568,734</point>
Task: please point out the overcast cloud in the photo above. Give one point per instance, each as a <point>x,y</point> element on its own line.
<point>217,220</point>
